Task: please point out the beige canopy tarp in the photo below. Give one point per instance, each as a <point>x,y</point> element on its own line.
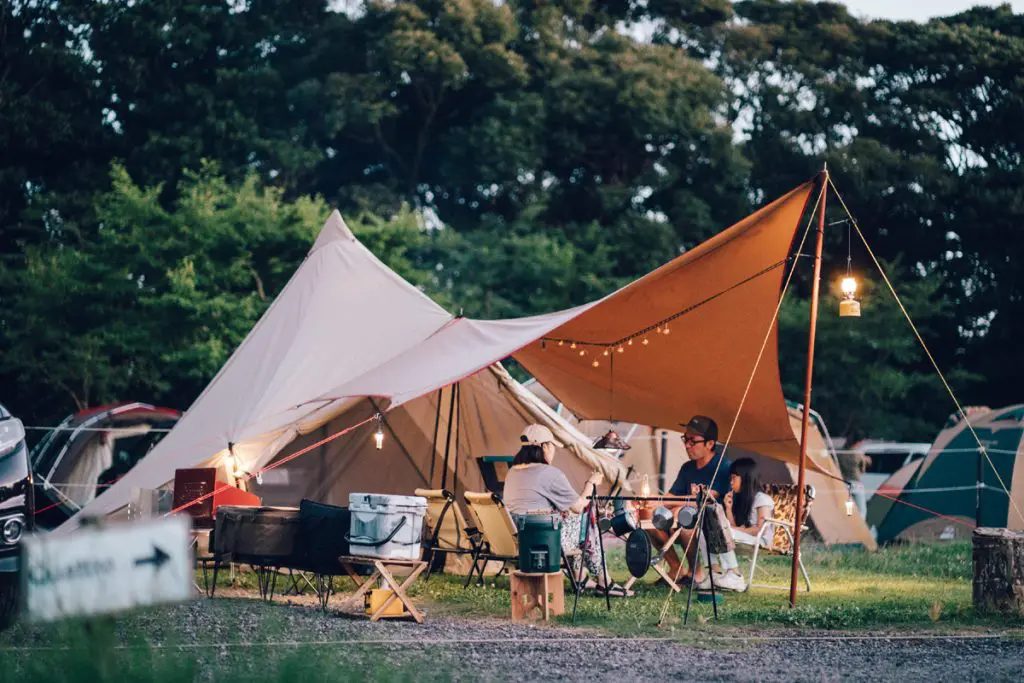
<point>346,329</point>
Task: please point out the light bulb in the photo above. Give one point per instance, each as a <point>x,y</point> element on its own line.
<point>605,352</point>
<point>850,507</point>
<point>378,437</point>
<point>621,349</point>
<point>561,342</point>
<point>666,330</point>
<point>657,330</point>
<point>849,287</point>
<point>645,487</point>
<point>583,352</point>
<point>595,363</point>
<point>629,343</point>
<point>645,342</point>
<point>572,346</point>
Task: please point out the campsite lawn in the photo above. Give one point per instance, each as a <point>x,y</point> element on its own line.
<point>920,586</point>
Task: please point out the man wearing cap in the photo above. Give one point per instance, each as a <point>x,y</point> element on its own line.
<point>710,471</point>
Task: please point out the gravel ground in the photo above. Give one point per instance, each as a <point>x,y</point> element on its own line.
<point>294,641</point>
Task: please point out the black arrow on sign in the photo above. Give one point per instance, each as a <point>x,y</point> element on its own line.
<point>157,559</point>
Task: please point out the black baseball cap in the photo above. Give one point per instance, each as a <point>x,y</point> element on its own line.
<point>702,425</point>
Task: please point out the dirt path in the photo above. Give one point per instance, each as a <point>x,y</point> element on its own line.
<point>243,639</point>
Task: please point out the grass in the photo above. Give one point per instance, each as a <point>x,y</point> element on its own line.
<point>898,589</point>
<point>915,586</point>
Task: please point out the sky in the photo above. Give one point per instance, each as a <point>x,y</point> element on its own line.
<point>919,10</point>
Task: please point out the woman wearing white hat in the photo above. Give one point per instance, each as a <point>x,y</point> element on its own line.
<point>533,486</point>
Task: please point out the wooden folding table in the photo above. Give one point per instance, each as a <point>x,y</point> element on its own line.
<point>382,572</point>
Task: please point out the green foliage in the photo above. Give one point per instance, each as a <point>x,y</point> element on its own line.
<point>155,301</point>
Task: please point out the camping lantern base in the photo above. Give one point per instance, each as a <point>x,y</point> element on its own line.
<point>999,571</point>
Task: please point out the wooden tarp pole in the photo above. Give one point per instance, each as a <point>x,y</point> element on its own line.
<point>805,422</point>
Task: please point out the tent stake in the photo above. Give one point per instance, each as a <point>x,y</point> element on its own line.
<point>808,379</point>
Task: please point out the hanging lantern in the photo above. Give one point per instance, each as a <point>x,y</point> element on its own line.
<point>645,487</point>
<point>849,306</point>
<point>612,441</point>
<point>378,436</point>
<point>850,505</point>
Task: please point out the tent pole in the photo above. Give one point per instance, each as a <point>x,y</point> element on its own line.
<point>458,431</point>
<point>433,444</point>
<point>808,379</point>
<point>978,489</point>
<point>448,438</point>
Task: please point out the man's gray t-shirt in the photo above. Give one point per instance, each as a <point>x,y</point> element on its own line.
<point>536,487</point>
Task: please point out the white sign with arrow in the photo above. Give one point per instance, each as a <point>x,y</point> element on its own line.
<point>104,569</point>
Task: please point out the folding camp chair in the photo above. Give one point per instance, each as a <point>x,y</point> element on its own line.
<point>498,537</point>
<point>449,532</point>
<point>781,525</point>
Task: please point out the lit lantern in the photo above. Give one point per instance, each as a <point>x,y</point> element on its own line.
<point>645,487</point>
<point>378,436</point>
<point>850,505</point>
<point>849,306</point>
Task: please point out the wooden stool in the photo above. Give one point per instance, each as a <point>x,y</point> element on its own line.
<point>541,591</point>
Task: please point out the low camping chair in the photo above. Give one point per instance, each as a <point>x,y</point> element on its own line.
<point>499,537</point>
<point>449,532</point>
<point>781,525</point>
<point>497,533</point>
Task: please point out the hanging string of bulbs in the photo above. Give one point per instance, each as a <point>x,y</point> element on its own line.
<point>642,337</point>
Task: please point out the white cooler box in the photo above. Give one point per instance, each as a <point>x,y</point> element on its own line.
<point>386,526</point>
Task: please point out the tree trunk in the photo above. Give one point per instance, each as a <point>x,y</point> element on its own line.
<point>999,571</point>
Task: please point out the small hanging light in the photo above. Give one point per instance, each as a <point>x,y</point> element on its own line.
<point>621,349</point>
<point>645,487</point>
<point>612,441</point>
<point>645,342</point>
<point>583,352</point>
<point>850,505</point>
<point>595,363</point>
<point>561,342</point>
<point>657,330</point>
<point>605,352</point>
<point>630,342</point>
<point>666,330</point>
<point>378,436</point>
<point>849,306</point>
<point>572,346</point>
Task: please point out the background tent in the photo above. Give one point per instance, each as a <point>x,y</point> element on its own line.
<point>651,445</point>
<point>946,479</point>
<point>89,450</point>
<point>347,329</point>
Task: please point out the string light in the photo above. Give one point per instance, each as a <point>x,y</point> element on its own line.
<point>605,352</point>
<point>561,342</point>
<point>666,330</point>
<point>595,363</point>
<point>645,342</point>
<point>573,346</point>
<point>630,342</point>
<point>583,352</point>
<point>621,348</point>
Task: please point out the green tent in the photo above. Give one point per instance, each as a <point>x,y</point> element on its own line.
<point>957,481</point>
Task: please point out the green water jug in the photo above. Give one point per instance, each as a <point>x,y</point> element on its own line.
<point>540,546</point>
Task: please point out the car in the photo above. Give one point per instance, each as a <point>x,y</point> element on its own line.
<point>886,458</point>
<point>17,504</point>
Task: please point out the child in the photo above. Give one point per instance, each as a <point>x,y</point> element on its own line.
<point>746,505</point>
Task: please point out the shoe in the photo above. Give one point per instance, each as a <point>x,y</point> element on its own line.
<point>704,584</point>
<point>730,581</point>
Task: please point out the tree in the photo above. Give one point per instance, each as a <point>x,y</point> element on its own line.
<point>153,305</point>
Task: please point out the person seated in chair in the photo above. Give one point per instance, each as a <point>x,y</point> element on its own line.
<point>533,486</point>
<point>705,471</point>
<point>747,506</point>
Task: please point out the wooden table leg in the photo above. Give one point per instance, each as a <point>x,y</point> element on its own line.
<point>362,587</point>
<point>398,590</point>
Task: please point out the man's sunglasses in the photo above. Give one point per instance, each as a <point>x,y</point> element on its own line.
<point>692,440</point>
